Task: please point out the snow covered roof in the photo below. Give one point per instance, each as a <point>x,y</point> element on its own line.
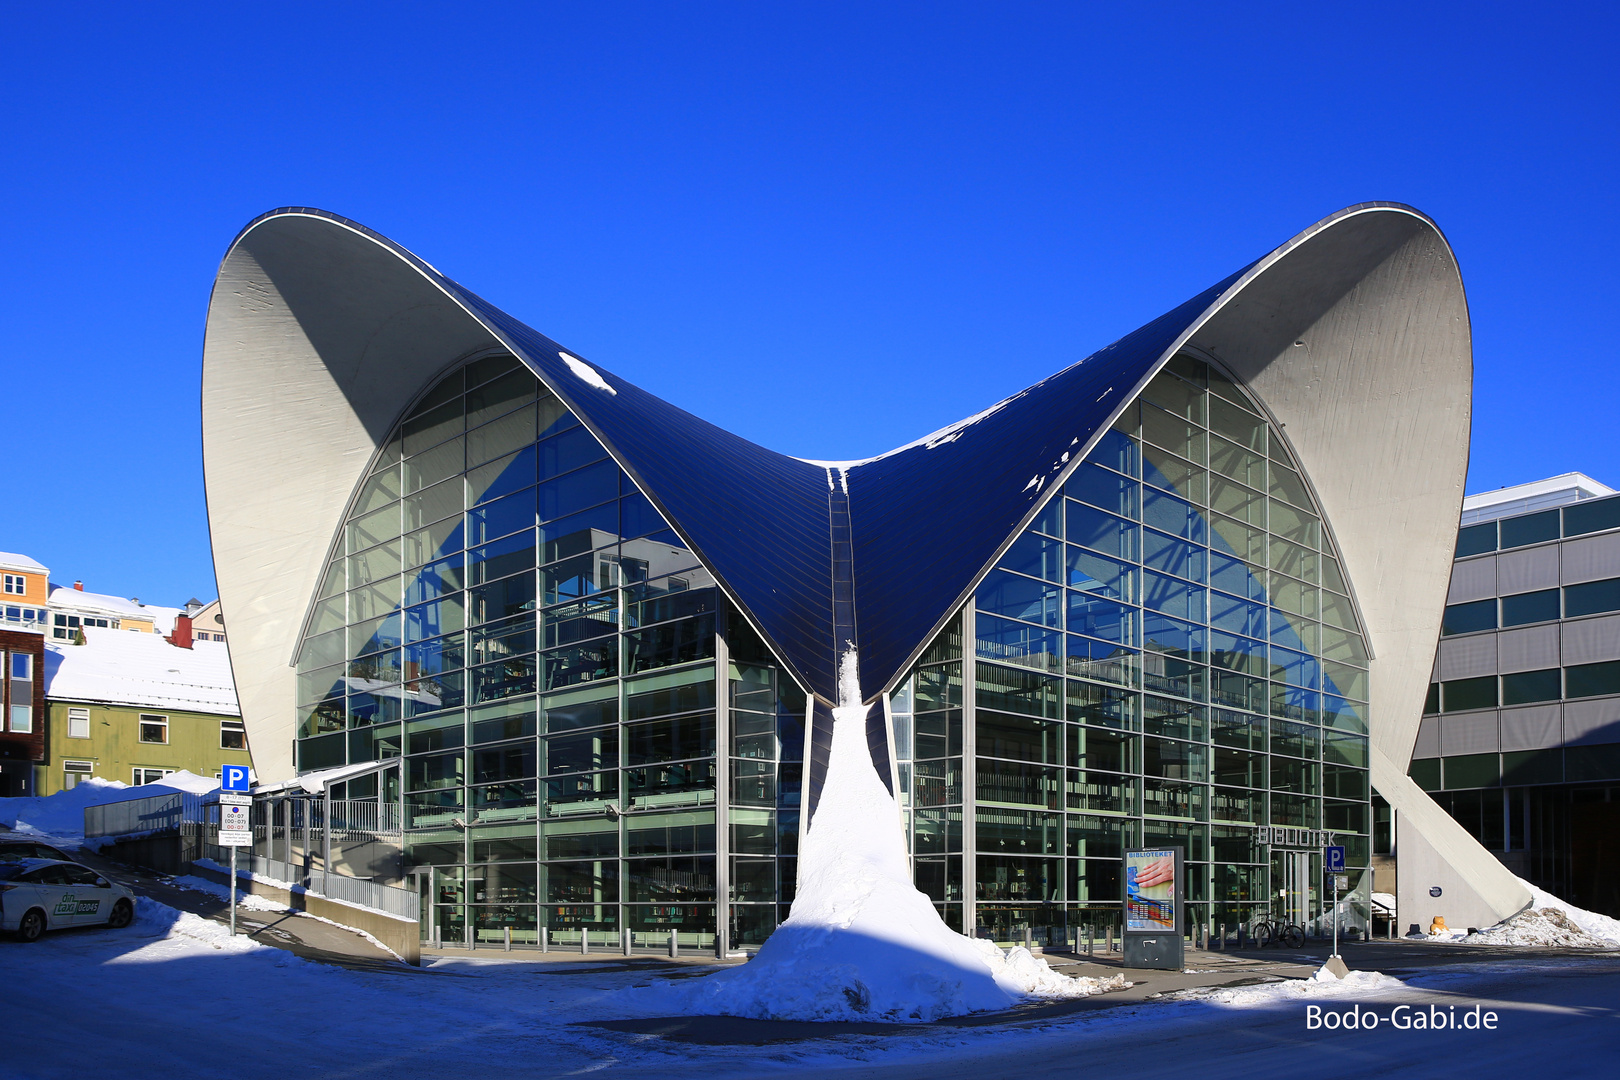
<point>1536,495</point>
<point>104,603</point>
<point>117,667</point>
<point>317,781</point>
<point>10,560</point>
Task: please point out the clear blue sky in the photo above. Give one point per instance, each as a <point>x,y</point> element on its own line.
<point>829,228</point>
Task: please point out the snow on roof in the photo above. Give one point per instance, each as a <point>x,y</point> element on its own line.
<point>317,781</point>
<point>104,603</point>
<point>117,667</point>
<point>12,561</point>
<point>1536,495</point>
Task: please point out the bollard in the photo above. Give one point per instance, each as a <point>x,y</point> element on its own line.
<point>1240,934</point>
<point>584,941</point>
<point>508,945</point>
<point>674,945</point>
<point>545,940</point>
<point>1223,937</point>
<point>1027,940</point>
<point>1091,940</point>
<point>629,938</point>
<point>1109,947</point>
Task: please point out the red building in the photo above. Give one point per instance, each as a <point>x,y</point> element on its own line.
<point>22,708</point>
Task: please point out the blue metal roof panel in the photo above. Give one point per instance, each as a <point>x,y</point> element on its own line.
<point>757,518</point>
<point>923,522</point>
<point>928,519</point>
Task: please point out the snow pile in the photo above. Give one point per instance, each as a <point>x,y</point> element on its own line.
<point>1543,926</point>
<point>244,900</point>
<point>178,933</point>
<point>862,943</point>
<point>1551,921</point>
<point>62,814</point>
<point>1321,984</point>
<point>1602,927</point>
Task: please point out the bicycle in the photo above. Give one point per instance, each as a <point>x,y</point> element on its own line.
<point>1267,930</point>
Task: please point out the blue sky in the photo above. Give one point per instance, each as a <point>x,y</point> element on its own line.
<point>831,228</point>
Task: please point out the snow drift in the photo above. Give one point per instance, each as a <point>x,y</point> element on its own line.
<point>862,943</point>
<point>1551,921</point>
<point>62,814</point>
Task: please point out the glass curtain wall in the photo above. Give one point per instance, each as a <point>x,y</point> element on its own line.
<point>509,615</point>
<point>1167,655</point>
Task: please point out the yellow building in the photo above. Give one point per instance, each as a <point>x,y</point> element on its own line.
<point>134,708</point>
<point>73,609</point>
<point>25,588</point>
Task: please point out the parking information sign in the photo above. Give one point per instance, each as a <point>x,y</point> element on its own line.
<point>233,778</point>
<point>1333,859</point>
<point>235,820</point>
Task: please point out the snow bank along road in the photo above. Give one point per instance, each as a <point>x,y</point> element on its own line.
<point>175,997</point>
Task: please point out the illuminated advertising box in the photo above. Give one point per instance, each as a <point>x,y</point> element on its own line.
<point>1153,894</point>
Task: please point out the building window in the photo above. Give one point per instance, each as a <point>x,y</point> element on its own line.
<point>22,665</point>
<point>78,723</point>
<point>149,776</point>
<point>1469,618</point>
<point>16,584</point>
<point>232,735</point>
<point>1582,680</point>
<point>1530,608</point>
<point>22,718</point>
<point>75,771</point>
<point>1524,687</point>
<point>66,627</point>
<point>1592,598</point>
<point>154,729</point>
<point>1460,695</point>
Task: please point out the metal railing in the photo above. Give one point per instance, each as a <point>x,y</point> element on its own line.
<point>403,903</point>
<point>158,812</point>
<point>154,813</point>
<point>304,823</point>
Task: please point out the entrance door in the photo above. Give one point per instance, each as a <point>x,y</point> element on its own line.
<point>1297,886</point>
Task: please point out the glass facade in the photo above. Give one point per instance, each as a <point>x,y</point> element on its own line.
<point>590,738</point>
<point>1167,655</point>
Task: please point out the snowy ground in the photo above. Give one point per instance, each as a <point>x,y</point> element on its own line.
<point>174,997</point>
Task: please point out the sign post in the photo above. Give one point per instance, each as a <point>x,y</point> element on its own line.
<point>1333,864</point>
<point>235,822</point>
<point>1153,913</point>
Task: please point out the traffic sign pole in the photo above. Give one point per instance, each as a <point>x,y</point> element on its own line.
<point>235,820</point>
<point>1332,867</point>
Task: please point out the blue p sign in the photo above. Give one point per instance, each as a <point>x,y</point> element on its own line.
<point>1333,858</point>
<point>234,778</point>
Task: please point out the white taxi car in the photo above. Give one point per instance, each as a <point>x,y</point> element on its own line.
<point>41,894</point>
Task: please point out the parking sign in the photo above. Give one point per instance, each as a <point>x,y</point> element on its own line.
<point>1333,859</point>
<point>234,778</point>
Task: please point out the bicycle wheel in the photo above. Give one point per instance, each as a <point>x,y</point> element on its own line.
<point>1293,936</point>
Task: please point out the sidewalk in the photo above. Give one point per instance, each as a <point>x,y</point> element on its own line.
<point>295,932</point>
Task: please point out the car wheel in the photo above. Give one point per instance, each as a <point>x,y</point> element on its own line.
<point>123,913</point>
<point>31,927</point>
